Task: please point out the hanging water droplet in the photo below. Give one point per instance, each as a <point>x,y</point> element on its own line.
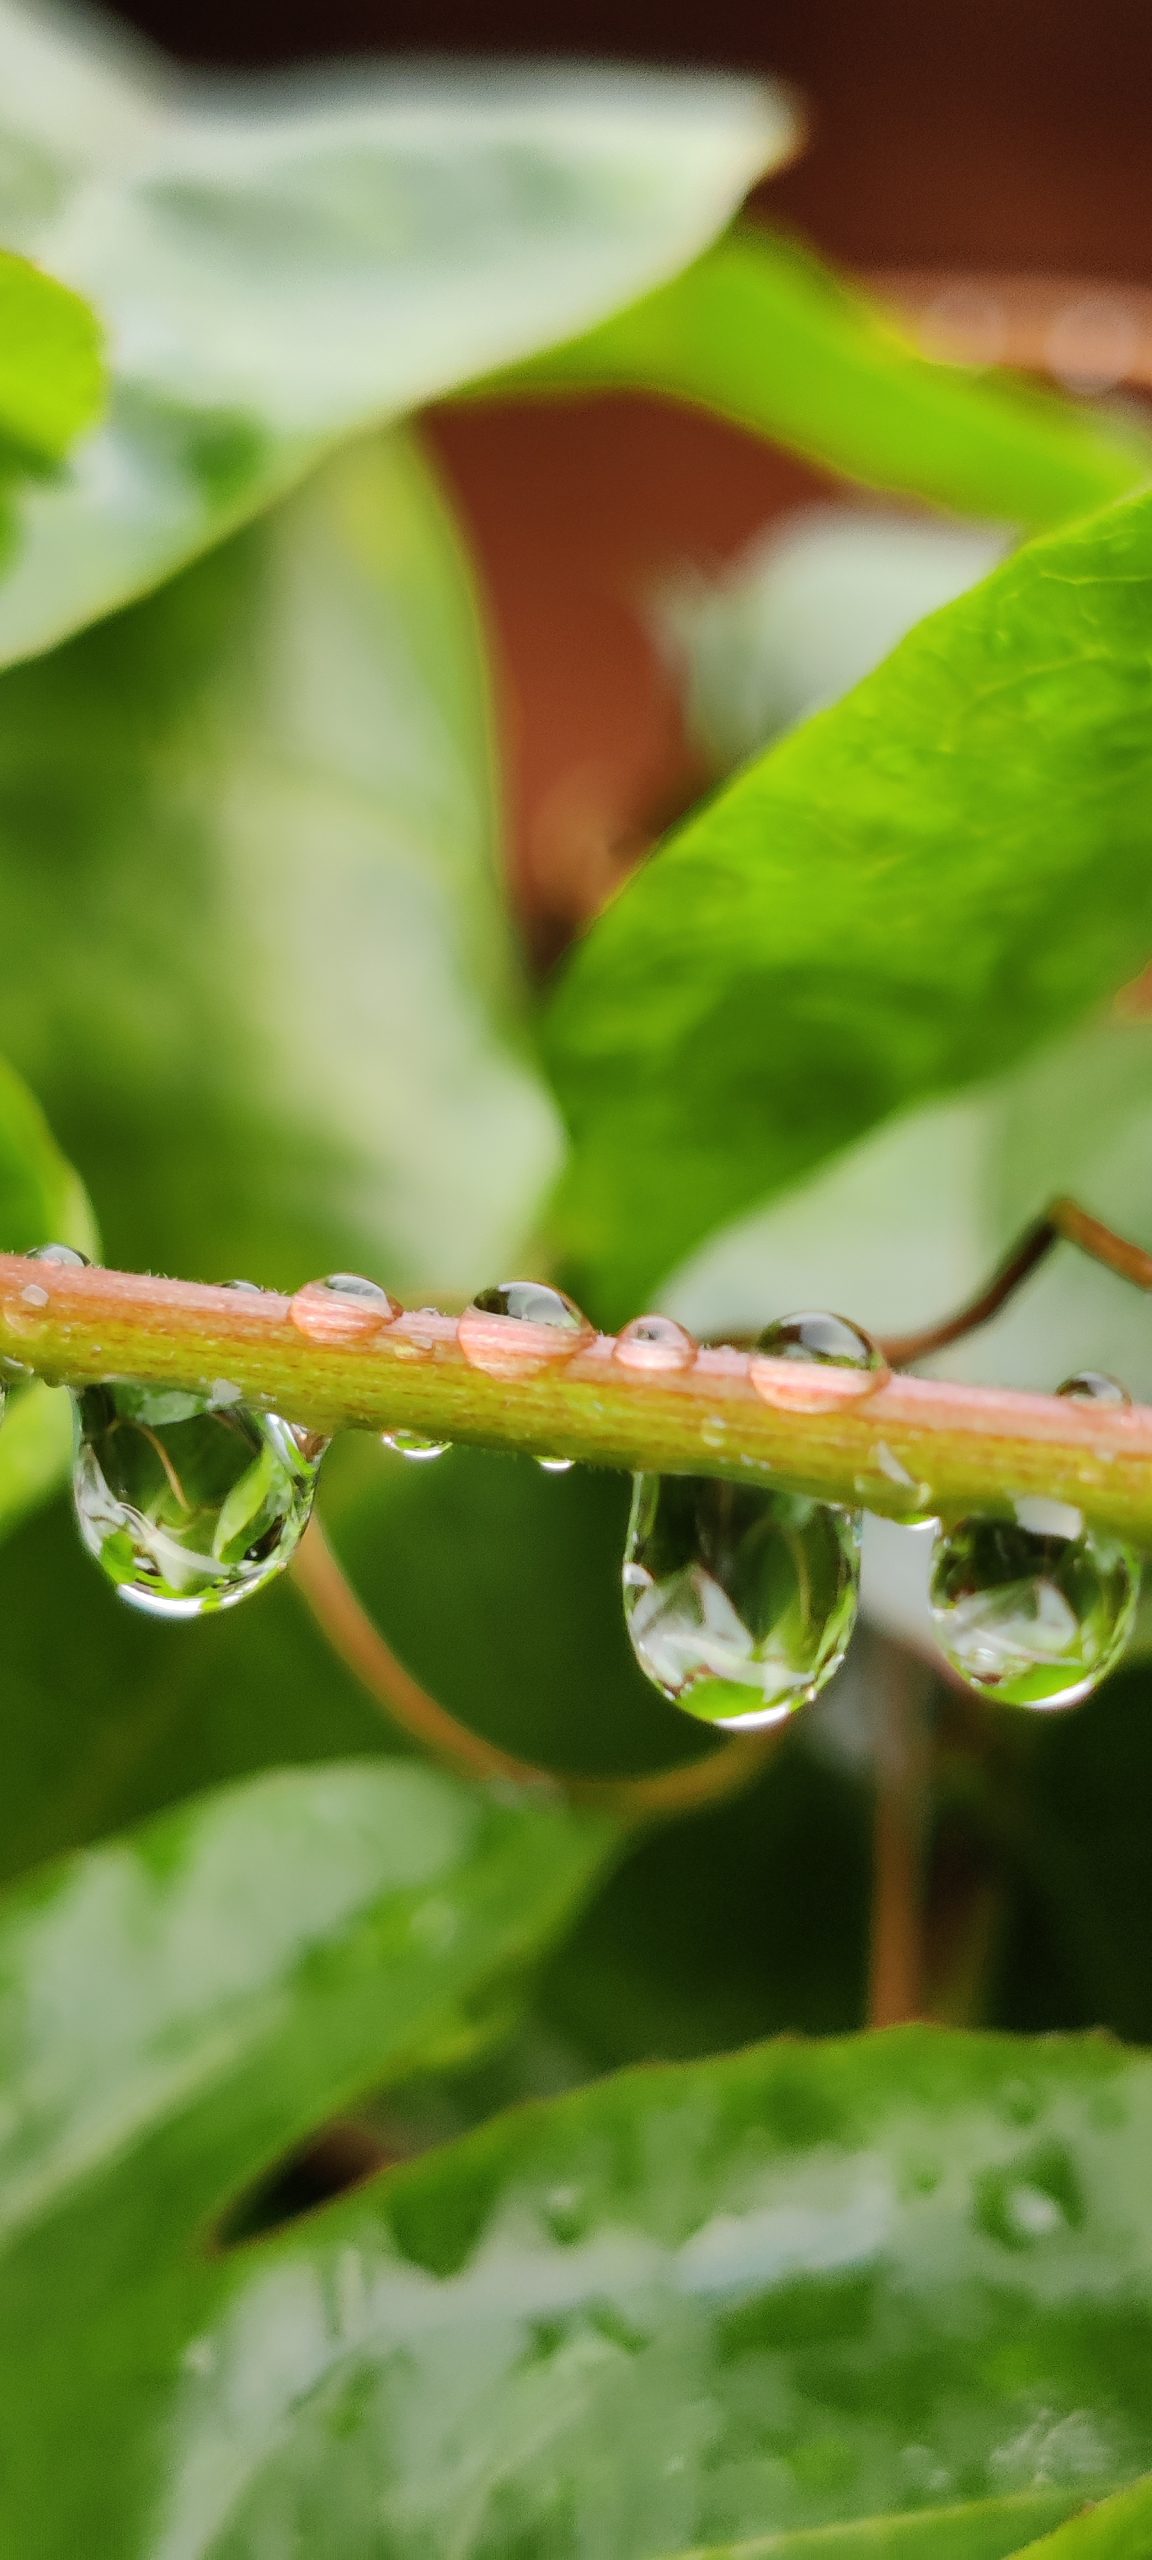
<point>1036,1610</point>
<point>815,1336</point>
<point>553,1329</point>
<point>654,1343</point>
<point>342,1308</point>
<point>556,1466</point>
<point>186,1504</point>
<point>739,1600</point>
<point>413,1444</point>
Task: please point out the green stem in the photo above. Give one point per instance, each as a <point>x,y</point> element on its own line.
<point>894,1444</point>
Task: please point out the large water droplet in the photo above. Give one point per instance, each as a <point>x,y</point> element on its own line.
<point>343,1308</point>
<point>815,1337</point>
<point>1036,1610</point>
<point>187,1504</point>
<point>654,1343</point>
<point>65,1254</point>
<point>554,1329</point>
<point>413,1444</point>
<point>739,1600</point>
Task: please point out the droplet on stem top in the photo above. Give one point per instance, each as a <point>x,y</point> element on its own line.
<point>739,1601</point>
<point>815,1338</point>
<point>554,1329</point>
<point>413,1444</point>
<point>654,1343</point>
<point>65,1254</point>
<point>342,1308</point>
<point>1037,1609</point>
<point>187,1504</point>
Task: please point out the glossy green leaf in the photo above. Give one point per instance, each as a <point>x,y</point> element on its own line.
<point>254,960</point>
<point>281,264</point>
<point>761,333</point>
<point>1121,2529</point>
<point>900,898</point>
<point>988,2530</point>
<point>51,368</point>
<point>682,2309</point>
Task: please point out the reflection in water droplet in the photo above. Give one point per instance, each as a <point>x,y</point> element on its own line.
<point>556,1466</point>
<point>342,1308</point>
<point>554,1327</point>
<point>815,1337</point>
<point>1094,1386</point>
<point>1035,1615</point>
<point>654,1343</point>
<point>187,1505</point>
<point>413,1444</point>
<point>739,1600</point>
<point>1024,2202</point>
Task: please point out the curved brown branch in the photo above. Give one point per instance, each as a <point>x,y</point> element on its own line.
<point>659,1796</point>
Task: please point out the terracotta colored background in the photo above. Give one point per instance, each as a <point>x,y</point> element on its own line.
<point>981,134</point>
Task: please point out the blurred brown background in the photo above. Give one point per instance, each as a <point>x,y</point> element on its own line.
<point>972,135</point>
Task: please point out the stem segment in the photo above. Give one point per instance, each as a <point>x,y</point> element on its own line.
<point>897,1445</point>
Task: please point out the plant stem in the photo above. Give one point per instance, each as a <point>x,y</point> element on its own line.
<point>896,1982</point>
<point>897,1445</point>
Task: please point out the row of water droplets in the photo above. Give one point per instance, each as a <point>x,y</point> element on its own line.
<point>739,1599</point>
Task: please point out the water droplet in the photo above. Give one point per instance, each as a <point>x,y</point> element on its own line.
<point>556,1466</point>
<point>553,1329</point>
<point>654,1343</point>
<point>187,1505</point>
<point>342,1308</point>
<point>32,1295</point>
<point>413,1444</point>
<point>916,1498</point>
<point>739,1600</point>
<point>1034,1610</point>
<point>1093,1386</point>
<point>815,1337</point>
<point>64,1254</point>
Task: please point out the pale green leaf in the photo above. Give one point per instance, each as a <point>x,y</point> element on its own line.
<point>1121,2529</point>
<point>51,367</point>
<point>281,263</point>
<point>898,899</point>
<point>41,1201</point>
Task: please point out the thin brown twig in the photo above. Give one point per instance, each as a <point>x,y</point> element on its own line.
<point>896,1986</point>
<point>1064,1221</point>
<point>662,1794</point>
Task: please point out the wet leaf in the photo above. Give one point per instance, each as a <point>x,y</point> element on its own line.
<point>254,961</point>
<point>1117,2530</point>
<point>51,368</point>
<point>878,910</point>
<point>283,263</point>
<point>680,2310</point>
<point>759,332</point>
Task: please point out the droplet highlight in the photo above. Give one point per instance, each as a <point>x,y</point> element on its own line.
<point>553,1329</point>
<point>342,1308</point>
<point>188,1505</point>
<point>651,1344</point>
<point>817,1338</point>
<point>739,1600</point>
<point>556,1466</point>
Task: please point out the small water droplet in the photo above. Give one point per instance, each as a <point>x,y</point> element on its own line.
<point>187,1505</point>
<point>64,1254</point>
<point>915,1508</point>
<point>1094,1386</point>
<point>553,1328</point>
<point>1034,1610</point>
<point>1027,2201</point>
<point>32,1295</point>
<point>342,1308</point>
<point>739,1600</point>
<point>653,1343</point>
<point>413,1444</point>
<point>556,1466</point>
<point>827,1341</point>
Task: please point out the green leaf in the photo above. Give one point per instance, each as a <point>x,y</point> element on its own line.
<point>1118,2530</point>
<point>178,2006</point>
<point>42,1201</point>
<point>901,897</point>
<point>51,369</point>
<point>761,333</point>
<point>805,2286</point>
<point>254,959</point>
<point>282,264</point>
<point>989,2530</point>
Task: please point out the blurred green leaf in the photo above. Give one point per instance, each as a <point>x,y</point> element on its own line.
<point>1118,2530</point>
<point>901,897</point>
<point>760,332</point>
<point>689,2307</point>
<point>282,263</point>
<point>51,368</point>
<point>989,2530</point>
<point>254,960</point>
<point>42,1201</point>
